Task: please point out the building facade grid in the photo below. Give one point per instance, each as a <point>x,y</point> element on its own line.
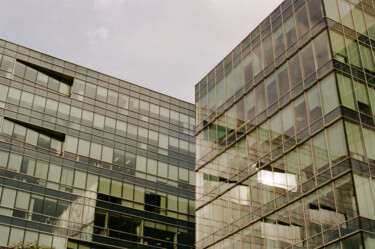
<point>285,133</point>
<point>91,159</point>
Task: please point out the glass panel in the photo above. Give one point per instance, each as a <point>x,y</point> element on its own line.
<point>370,21</point>
<point>14,95</point>
<point>240,112</point>
<point>300,113</point>
<point>183,174</point>
<point>354,140</point>
<point>283,80</point>
<point>250,106</point>
<point>116,187</point>
<point>123,101</point>
<point>346,91</point>
<point>364,190</point>
<point>295,72</point>
<point>39,103</point>
<point>90,90</point>
<point>54,172</point>
<point>229,85</point>
<point>338,46</point>
<point>19,69</point>
<point>98,121</point>
<point>302,21</point>
<point>345,198</point>
<point>67,176</point>
<point>278,38</point>
<point>104,185</point>
<point>128,191</point>
<point>112,97</point>
<point>359,20</point>
<point>16,236</point>
<point>71,144</point>
<point>362,98</point>
<point>163,169</point>
<point>260,98</point>
<point>332,10</point>
<point>287,122</point>
<point>3,92</point>
<point>248,68</point>
<point>308,66</point>
<point>371,92</point>
<point>211,99</point>
<point>290,31</point>
<point>220,92</point>
<point>346,15</point>
<point>336,142</point>
<point>101,93</point>
<point>15,162</point>
<point>11,197</point>
<point>267,50</point>
<point>96,151</point>
<point>353,52</point>
<point>321,48</point>
<point>315,110</point>
<point>173,172</point>
<point>3,160</point>
<point>42,79</point>
<point>27,99</point>
<point>44,141</point>
<point>315,11</point>
<point>369,137</point>
<point>258,61</point>
<point>271,89</point>
<point>107,155</point>
<point>134,104</point>
<point>238,78</point>
<point>19,132</point>
<point>151,166</point>
<point>22,201</point>
<point>141,163</point>
<point>320,151</point>
<point>4,230</point>
<point>367,59</point>
<point>7,63</point>
<point>51,107</point>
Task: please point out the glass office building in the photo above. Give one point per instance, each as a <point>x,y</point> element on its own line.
<point>286,135</point>
<point>91,161</point>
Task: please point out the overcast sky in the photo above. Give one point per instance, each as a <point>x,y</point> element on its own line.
<point>165,45</point>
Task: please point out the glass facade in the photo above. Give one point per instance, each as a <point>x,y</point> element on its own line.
<point>286,134</point>
<point>90,161</point>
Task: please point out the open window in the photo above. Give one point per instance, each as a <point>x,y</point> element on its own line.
<point>56,81</point>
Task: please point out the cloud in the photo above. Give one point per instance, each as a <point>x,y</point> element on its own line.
<point>105,4</point>
<point>96,37</point>
<point>97,34</point>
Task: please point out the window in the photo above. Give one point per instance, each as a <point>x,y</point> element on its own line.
<point>290,31</point>
<point>152,202</point>
<point>43,76</point>
<point>322,50</point>
<point>39,137</point>
<point>302,21</point>
<point>278,38</point>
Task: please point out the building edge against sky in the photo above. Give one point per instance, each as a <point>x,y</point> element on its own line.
<point>91,161</point>
<point>285,133</point>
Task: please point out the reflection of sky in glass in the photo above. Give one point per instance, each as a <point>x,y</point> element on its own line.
<point>280,180</point>
<point>240,195</point>
<point>285,233</point>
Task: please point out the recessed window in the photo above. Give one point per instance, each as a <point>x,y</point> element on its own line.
<point>43,76</point>
<point>36,136</point>
<point>152,202</point>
